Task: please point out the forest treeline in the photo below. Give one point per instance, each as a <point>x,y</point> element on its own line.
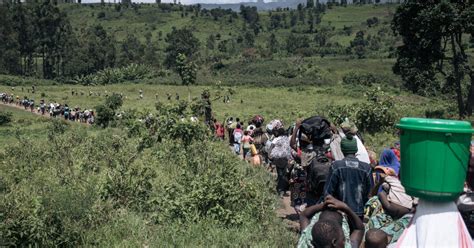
<point>40,41</point>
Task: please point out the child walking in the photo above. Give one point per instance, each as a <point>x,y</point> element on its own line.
<point>246,142</point>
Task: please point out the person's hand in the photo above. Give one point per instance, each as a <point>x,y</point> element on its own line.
<point>331,202</point>
<point>298,122</point>
<point>386,187</point>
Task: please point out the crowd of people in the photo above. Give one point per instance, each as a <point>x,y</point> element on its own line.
<point>53,109</point>
<point>344,195</point>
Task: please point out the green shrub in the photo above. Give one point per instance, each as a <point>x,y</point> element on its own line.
<point>5,118</point>
<point>376,114</point>
<point>357,78</point>
<point>102,187</point>
<point>104,115</point>
<point>131,72</point>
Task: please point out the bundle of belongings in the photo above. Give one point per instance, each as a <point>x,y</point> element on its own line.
<point>314,136</point>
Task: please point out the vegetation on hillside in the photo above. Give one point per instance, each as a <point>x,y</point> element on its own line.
<point>96,37</point>
<point>166,183</point>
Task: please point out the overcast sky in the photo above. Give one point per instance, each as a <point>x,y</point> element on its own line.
<point>182,1</point>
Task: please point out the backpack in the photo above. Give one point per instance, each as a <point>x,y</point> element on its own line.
<point>317,128</point>
<point>258,120</point>
<point>237,137</point>
<point>318,172</point>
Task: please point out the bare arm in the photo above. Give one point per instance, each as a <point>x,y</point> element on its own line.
<point>355,223</point>
<point>392,209</point>
<point>293,135</point>
<point>376,187</point>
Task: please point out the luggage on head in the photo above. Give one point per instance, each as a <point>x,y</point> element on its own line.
<point>317,129</point>
<point>258,120</point>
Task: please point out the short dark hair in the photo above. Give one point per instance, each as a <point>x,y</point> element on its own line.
<point>375,238</point>
<point>237,119</point>
<point>331,215</point>
<point>279,132</point>
<point>324,232</point>
<point>238,126</point>
<point>246,132</point>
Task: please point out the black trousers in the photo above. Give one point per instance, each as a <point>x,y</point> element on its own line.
<point>281,165</point>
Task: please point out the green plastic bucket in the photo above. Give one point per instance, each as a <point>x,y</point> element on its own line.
<point>434,157</point>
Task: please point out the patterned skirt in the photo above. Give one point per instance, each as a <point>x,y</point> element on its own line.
<point>378,219</point>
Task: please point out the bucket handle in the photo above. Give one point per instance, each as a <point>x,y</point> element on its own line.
<point>448,135</point>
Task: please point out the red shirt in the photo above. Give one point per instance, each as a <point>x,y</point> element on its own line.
<point>219,129</point>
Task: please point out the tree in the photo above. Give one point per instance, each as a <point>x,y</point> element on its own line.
<point>358,45</point>
<point>301,13</point>
<point>53,33</point>
<point>180,41</point>
<point>187,71</point>
<point>293,43</point>
<point>275,21</point>
<point>211,42</point>
<point>106,112</point>
<point>433,47</point>
<point>322,36</point>
<point>249,14</point>
<point>131,51</point>
<point>99,49</point>
<point>249,39</point>
<point>309,4</point>
<point>24,25</point>
<point>151,52</point>
<point>9,62</point>
<point>293,19</point>
<point>273,45</point>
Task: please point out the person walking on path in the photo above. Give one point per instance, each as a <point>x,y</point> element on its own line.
<point>349,180</point>
<point>280,153</point>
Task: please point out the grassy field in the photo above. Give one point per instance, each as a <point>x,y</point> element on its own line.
<point>285,103</point>
<point>77,185</point>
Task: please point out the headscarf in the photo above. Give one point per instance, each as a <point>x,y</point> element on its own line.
<point>388,159</point>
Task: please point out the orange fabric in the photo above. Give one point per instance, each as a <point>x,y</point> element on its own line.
<point>386,170</point>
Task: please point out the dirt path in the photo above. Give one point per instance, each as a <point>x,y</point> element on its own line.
<point>288,214</point>
<point>35,112</point>
<point>285,211</point>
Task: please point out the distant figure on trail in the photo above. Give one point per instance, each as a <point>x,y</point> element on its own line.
<point>177,97</point>
<point>31,103</point>
<point>168,95</point>
<point>237,134</point>
<point>156,96</point>
<point>228,124</point>
<point>42,107</point>
<point>246,142</point>
<point>72,92</point>
<point>140,94</point>
<point>66,112</point>
<point>33,88</point>
<point>219,129</point>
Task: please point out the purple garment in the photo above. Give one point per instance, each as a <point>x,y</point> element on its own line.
<point>389,159</point>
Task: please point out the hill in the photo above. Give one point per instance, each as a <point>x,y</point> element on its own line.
<point>325,47</point>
